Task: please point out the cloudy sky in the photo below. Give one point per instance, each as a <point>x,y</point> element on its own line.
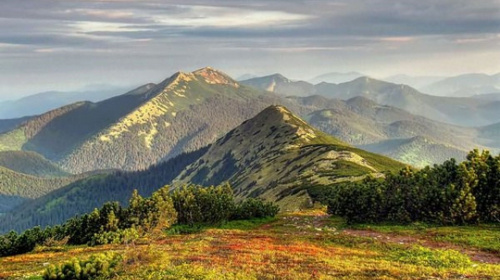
<point>66,44</point>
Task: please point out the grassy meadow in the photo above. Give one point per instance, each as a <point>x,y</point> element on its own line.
<point>302,245</point>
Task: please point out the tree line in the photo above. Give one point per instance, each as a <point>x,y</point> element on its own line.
<point>144,217</point>
<point>449,193</point>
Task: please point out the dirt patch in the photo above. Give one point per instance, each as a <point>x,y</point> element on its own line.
<point>474,254</point>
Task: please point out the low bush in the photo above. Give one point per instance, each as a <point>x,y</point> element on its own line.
<point>102,266</point>
<point>254,208</point>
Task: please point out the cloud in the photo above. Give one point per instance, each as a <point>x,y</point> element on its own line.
<point>279,35</point>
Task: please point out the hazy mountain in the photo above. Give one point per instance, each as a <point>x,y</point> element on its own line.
<point>465,85</point>
<point>454,110</point>
<point>42,102</point>
<point>336,77</point>
<point>417,82</point>
<point>276,156</point>
<point>246,77</point>
<point>190,110</point>
<point>490,135</point>
<point>385,129</point>
<point>277,83</point>
<point>488,96</point>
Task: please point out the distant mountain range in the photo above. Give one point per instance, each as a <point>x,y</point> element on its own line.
<point>386,130</point>
<point>459,111</point>
<point>281,85</point>
<point>417,82</point>
<point>465,85</point>
<point>275,156</point>
<point>42,102</point>
<point>206,128</point>
<point>187,111</point>
<point>464,111</point>
<point>147,125</point>
<point>336,77</point>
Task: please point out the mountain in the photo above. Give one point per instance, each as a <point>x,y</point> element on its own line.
<point>465,85</point>
<point>490,134</point>
<point>336,77</point>
<point>276,156</point>
<point>277,83</point>
<point>30,163</point>
<point>418,82</point>
<point>42,102</point>
<point>246,77</point>
<point>17,188</point>
<point>489,96</point>
<point>384,129</point>
<point>84,195</point>
<point>132,131</point>
<point>190,110</point>
<point>10,124</point>
<point>454,110</point>
<point>418,151</point>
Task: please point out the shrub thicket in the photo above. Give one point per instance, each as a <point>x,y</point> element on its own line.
<point>144,217</point>
<point>449,193</point>
<point>254,208</point>
<point>102,266</point>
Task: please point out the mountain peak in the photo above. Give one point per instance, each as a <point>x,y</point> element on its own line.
<point>270,154</point>
<point>213,76</point>
<point>278,115</point>
<point>280,77</point>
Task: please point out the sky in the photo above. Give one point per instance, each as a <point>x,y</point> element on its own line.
<point>68,44</point>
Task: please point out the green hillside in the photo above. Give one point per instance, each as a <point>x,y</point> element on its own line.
<point>9,124</point>
<point>77,197</point>
<point>30,163</point>
<point>17,187</point>
<point>388,130</point>
<point>275,154</point>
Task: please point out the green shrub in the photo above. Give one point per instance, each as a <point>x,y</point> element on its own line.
<point>97,266</point>
<point>449,193</point>
<point>254,208</point>
<point>205,205</point>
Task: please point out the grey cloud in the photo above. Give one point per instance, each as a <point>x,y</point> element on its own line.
<point>333,35</point>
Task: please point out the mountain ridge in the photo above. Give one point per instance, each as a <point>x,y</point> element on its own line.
<point>278,142</point>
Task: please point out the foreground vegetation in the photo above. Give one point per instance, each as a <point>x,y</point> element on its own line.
<point>447,194</point>
<point>304,245</point>
<point>143,218</point>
